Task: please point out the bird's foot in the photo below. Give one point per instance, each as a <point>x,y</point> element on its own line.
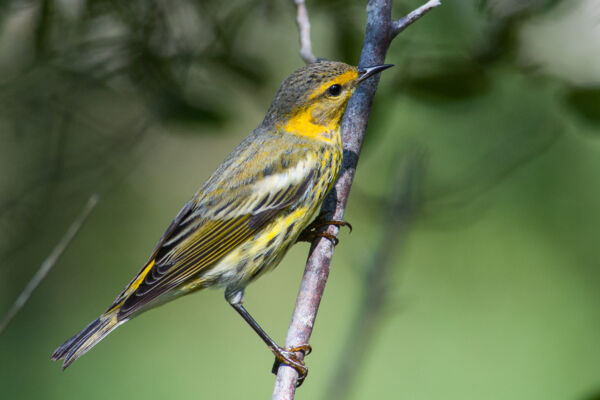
<point>311,232</point>
<point>289,357</point>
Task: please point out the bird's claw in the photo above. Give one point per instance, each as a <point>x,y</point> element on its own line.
<point>311,232</point>
<point>289,357</point>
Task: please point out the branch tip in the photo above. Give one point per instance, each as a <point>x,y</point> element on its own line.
<point>304,31</point>
<point>401,24</point>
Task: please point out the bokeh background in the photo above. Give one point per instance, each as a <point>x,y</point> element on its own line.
<point>473,271</point>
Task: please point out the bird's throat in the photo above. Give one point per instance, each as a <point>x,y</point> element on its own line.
<point>304,123</point>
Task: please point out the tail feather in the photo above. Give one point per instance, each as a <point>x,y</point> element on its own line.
<point>82,342</point>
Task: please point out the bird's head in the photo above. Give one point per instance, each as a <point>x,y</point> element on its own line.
<point>312,101</point>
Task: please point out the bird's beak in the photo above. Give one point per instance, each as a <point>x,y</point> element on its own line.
<point>366,72</point>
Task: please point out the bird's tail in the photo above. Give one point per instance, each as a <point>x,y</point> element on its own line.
<point>79,344</point>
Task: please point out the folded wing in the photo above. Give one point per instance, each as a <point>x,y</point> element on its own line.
<point>199,237</point>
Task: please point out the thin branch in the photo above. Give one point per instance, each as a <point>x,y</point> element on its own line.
<point>378,36</point>
<point>304,31</point>
<point>49,262</point>
<point>401,24</point>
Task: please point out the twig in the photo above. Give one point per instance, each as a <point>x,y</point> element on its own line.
<point>49,262</point>
<point>378,36</point>
<point>401,24</point>
<point>304,30</point>
<point>403,204</point>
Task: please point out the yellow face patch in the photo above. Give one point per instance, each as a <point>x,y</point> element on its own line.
<point>302,123</point>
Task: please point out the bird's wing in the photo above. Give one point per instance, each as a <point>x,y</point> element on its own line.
<point>202,233</point>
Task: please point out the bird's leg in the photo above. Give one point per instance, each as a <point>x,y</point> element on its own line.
<point>311,232</point>
<point>282,356</point>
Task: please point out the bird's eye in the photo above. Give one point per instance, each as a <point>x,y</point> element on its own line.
<point>334,90</point>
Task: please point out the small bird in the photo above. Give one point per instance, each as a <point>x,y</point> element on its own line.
<point>253,208</point>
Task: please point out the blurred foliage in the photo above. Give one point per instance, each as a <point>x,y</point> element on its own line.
<point>585,102</point>
<point>140,100</point>
<point>141,62</point>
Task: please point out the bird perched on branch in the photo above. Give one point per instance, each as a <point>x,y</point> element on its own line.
<point>253,208</point>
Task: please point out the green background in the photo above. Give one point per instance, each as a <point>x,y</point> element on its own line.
<point>492,287</point>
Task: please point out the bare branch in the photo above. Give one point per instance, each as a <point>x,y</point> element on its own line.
<point>378,35</point>
<point>304,30</point>
<point>401,24</point>
<point>49,262</point>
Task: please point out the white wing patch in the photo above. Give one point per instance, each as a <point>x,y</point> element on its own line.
<point>276,182</point>
<point>267,189</point>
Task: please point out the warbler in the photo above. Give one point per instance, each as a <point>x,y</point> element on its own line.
<point>256,205</point>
